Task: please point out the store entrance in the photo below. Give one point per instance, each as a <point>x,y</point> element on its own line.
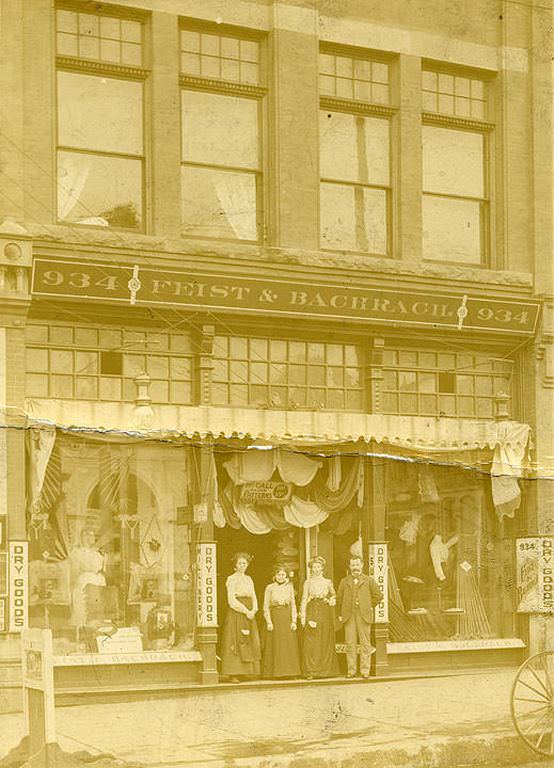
<point>262,548</point>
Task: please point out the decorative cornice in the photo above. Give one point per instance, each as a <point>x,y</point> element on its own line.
<point>221,86</point>
<point>357,107</point>
<point>149,245</point>
<point>432,118</point>
<point>101,67</point>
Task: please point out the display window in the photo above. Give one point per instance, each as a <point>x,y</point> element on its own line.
<point>450,556</point>
<point>110,546</point>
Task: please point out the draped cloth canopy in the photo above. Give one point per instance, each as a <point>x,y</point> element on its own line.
<point>293,442</point>
<point>259,465</point>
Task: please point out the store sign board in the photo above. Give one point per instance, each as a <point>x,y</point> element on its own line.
<point>535,574</point>
<point>223,292</point>
<point>18,585</point>
<point>266,493</point>
<point>379,569</point>
<point>38,684</point>
<point>206,585</point>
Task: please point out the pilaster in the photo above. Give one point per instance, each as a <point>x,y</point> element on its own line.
<point>294,164</point>
<point>407,238</point>
<point>165,112</point>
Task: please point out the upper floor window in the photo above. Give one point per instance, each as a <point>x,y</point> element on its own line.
<point>101,363</point>
<point>221,120</point>
<point>427,383</point>
<point>455,169</point>
<point>355,188</point>
<point>281,373</point>
<point>100,141</point>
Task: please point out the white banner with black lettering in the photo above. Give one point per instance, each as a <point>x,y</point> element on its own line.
<point>206,585</point>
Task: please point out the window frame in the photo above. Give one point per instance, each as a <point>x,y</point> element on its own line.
<point>485,128</point>
<point>113,70</point>
<point>258,93</point>
<point>358,108</point>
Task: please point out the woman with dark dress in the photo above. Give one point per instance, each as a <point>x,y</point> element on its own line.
<point>241,651</point>
<point>319,658</point>
<point>281,657</point>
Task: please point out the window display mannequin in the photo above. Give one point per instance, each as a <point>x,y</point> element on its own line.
<point>281,657</point>
<point>241,652</point>
<point>319,658</point>
<point>87,567</point>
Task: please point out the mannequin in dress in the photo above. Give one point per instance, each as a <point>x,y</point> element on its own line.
<point>241,651</point>
<point>87,566</point>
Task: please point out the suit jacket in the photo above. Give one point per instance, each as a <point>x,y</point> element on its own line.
<point>364,595</point>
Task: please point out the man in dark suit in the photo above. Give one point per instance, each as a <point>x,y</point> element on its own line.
<point>356,600</point>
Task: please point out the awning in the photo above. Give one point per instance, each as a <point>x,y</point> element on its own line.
<point>498,447</point>
<point>420,434</point>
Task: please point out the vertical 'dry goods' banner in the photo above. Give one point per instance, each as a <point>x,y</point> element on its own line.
<point>206,585</point>
<point>18,587</point>
<point>378,568</point>
<point>535,579</point>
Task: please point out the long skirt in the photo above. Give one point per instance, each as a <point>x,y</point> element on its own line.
<point>319,658</point>
<point>241,651</point>
<point>281,655</point>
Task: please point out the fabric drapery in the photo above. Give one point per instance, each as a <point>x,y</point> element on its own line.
<point>298,512</point>
<point>334,477</point>
<point>351,485</point>
<point>41,445</point>
<point>508,459</point>
<point>304,514</point>
<point>259,465</point>
<point>427,487</point>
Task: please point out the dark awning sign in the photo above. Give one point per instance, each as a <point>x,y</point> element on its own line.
<point>207,291</point>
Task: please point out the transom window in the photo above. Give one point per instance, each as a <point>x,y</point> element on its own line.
<point>454,95</point>
<point>287,374</point>
<point>448,383</point>
<point>346,77</point>
<point>91,363</point>
<point>102,38</point>
<point>220,56</point>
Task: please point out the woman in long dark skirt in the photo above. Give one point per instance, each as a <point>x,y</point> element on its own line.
<point>281,657</point>
<point>319,658</point>
<point>241,651</point>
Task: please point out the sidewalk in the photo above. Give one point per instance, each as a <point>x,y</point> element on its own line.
<point>453,720</point>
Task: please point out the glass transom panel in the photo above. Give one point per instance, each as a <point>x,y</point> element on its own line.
<point>348,77</point>
<point>97,37</point>
<point>221,57</point>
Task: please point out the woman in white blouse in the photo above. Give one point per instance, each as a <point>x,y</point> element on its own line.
<point>281,656</point>
<point>317,614</point>
<point>241,652</point>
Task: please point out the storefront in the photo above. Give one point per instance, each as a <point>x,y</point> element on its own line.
<point>178,443</point>
<point>123,528</point>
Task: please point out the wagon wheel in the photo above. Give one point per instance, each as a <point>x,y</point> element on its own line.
<point>532,703</point>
